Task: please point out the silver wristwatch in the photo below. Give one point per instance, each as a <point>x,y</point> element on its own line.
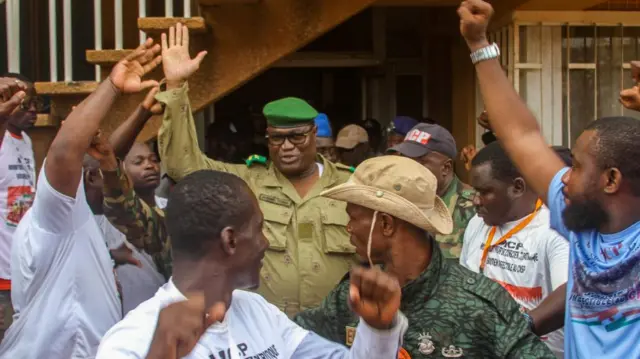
<point>486,53</point>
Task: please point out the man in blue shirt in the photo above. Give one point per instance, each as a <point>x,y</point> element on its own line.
<point>593,204</point>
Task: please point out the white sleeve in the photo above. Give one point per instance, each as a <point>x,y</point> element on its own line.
<point>129,339</point>
<point>464,254</point>
<point>52,210</point>
<point>558,260</point>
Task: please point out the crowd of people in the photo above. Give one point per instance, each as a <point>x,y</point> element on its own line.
<point>323,245</point>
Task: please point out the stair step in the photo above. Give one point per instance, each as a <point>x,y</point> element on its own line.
<point>226,2</point>
<point>46,120</point>
<point>154,25</point>
<point>66,88</point>
<point>106,57</point>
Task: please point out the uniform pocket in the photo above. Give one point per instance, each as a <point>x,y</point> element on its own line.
<point>334,229</point>
<point>276,223</point>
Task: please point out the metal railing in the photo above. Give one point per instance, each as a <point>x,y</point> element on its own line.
<point>13,32</point>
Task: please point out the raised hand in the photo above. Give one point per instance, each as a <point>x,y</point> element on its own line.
<point>474,20</point>
<point>151,104</point>
<point>466,155</point>
<point>483,121</point>
<point>630,98</point>
<point>124,255</point>
<point>12,92</point>
<point>374,296</point>
<point>127,74</point>
<point>177,63</point>
<point>181,325</point>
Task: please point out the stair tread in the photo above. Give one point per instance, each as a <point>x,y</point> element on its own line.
<point>160,24</point>
<point>66,88</point>
<point>227,2</point>
<point>105,57</point>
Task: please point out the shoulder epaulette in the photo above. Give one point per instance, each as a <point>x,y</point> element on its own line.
<point>255,159</point>
<point>345,167</point>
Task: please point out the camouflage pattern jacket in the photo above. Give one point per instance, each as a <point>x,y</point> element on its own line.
<point>452,313</point>
<point>142,224</point>
<point>459,201</point>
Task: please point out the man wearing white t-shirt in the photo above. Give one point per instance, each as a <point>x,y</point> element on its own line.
<point>218,245</point>
<point>510,240</point>
<point>63,288</point>
<point>17,185</point>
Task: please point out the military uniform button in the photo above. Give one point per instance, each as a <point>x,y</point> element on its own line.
<point>471,281</point>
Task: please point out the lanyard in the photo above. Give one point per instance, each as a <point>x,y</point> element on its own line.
<point>488,245</point>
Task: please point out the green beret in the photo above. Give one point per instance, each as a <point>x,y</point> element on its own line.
<point>289,112</point>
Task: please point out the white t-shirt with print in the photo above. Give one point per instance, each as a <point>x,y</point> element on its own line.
<point>530,265</point>
<point>138,284</point>
<point>63,287</point>
<point>252,327</point>
<point>17,186</point>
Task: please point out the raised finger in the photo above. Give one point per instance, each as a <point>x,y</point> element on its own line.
<point>148,67</point>
<point>148,84</point>
<point>368,283</point>
<point>163,39</point>
<point>172,36</point>
<point>179,34</point>
<point>185,36</point>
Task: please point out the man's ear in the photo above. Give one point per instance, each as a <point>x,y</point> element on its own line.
<point>228,241</point>
<point>519,187</point>
<point>447,167</point>
<point>613,180</point>
<point>388,224</point>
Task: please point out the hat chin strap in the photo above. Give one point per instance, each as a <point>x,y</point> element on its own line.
<point>373,223</point>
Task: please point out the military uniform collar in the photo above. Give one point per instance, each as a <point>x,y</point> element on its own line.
<point>427,280</point>
<point>275,178</point>
<point>453,187</point>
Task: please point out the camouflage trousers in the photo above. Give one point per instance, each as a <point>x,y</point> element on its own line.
<point>6,312</point>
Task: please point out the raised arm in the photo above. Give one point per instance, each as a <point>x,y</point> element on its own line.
<point>63,167</point>
<point>511,120</point>
<point>177,138</point>
<point>12,92</point>
<point>125,135</point>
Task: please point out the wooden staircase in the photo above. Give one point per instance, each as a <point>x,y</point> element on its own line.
<point>243,38</point>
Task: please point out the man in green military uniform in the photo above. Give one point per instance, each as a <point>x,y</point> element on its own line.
<point>452,312</point>
<point>434,147</point>
<point>309,249</point>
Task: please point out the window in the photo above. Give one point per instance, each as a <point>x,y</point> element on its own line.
<point>569,73</point>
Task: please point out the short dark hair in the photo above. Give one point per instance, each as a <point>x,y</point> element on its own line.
<point>564,153</point>
<point>201,205</point>
<point>617,146</point>
<point>501,166</point>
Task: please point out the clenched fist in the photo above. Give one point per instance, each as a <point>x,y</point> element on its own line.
<point>181,325</point>
<point>12,92</point>
<point>374,296</point>
<point>474,20</point>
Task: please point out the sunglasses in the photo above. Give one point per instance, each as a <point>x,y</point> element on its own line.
<point>294,138</point>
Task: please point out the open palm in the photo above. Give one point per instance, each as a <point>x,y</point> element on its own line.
<point>177,64</point>
<point>127,74</point>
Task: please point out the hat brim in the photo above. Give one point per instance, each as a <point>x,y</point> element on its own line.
<point>324,142</point>
<point>435,220</point>
<point>345,144</point>
<point>410,149</point>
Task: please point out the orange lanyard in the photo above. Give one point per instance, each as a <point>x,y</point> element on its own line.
<point>488,246</point>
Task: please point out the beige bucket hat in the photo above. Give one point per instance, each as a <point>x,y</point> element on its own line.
<point>400,187</point>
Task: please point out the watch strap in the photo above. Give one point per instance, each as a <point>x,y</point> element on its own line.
<point>486,53</point>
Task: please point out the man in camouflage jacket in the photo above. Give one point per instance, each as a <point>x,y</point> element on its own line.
<point>433,147</point>
<point>452,312</point>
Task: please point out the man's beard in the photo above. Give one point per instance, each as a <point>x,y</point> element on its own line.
<point>584,215</point>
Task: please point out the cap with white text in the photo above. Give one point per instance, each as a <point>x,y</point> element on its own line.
<point>425,138</point>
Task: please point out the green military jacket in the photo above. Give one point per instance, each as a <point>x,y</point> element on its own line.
<point>309,248</point>
<point>452,313</point>
<point>459,201</point>
<point>142,224</point>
